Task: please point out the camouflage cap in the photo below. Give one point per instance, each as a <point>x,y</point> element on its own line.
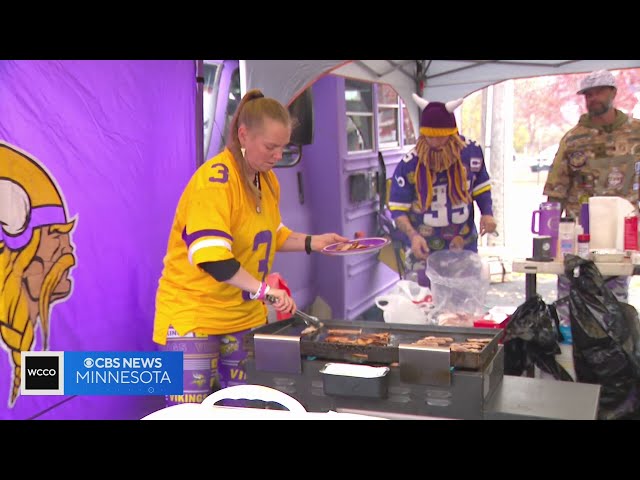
<point>599,78</point>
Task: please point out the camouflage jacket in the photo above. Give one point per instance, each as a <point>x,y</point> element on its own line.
<point>596,161</point>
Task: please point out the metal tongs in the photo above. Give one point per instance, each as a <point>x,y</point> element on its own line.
<point>310,320</point>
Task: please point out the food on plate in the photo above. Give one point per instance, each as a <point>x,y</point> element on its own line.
<point>354,245</point>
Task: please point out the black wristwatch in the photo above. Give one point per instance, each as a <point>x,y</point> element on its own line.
<point>307,244</point>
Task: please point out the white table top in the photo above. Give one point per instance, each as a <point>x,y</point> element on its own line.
<point>197,411</point>
<point>557,267</point>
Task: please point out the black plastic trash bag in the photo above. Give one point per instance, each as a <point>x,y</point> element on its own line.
<point>531,338</point>
<point>606,336</point>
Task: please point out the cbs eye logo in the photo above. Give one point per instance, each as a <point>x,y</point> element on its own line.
<point>42,373</point>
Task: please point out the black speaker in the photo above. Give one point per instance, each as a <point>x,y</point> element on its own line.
<point>541,249</point>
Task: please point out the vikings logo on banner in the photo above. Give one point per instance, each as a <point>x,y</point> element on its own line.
<point>36,255</point>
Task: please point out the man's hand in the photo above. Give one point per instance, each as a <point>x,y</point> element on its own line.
<point>487,224</point>
<point>419,247</point>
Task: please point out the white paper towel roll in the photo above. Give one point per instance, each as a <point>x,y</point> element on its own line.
<point>606,222</point>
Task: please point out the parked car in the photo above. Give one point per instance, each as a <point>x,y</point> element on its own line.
<point>544,159</point>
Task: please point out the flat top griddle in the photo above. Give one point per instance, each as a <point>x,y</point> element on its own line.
<point>315,344</point>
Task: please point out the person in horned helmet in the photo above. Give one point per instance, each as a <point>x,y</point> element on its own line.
<point>434,187</point>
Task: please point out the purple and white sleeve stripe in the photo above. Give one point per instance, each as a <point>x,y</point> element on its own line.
<point>203,239</point>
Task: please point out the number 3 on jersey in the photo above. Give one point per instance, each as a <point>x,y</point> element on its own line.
<point>262,238</point>
<point>439,210</point>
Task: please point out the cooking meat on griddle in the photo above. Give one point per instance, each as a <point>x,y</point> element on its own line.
<point>479,340</point>
<point>432,339</point>
<point>466,347</point>
<point>473,345</point>
<point>460,319</point>
<point>343,331</point>
<point>339,339</point>
<point>377,339</point>
<point>310,329</point>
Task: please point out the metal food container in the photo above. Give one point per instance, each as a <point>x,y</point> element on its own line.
<point>352,380</point>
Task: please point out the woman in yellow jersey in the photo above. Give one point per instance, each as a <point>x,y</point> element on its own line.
<point>225,232</point>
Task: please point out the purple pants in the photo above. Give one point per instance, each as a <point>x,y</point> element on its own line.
<point>211,362</point>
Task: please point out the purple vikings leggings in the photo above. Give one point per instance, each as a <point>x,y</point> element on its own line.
<point>211,362</point>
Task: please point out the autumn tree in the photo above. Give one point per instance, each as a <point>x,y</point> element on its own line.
<point>541,104</point>
<point>537,109</point>
<point>545,108</point>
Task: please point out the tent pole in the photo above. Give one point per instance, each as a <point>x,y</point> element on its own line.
<point>199,124</point>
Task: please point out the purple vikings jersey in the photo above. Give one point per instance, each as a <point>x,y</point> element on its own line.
<point>443,224</point>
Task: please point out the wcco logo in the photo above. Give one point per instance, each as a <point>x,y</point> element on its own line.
<point>42,373</point>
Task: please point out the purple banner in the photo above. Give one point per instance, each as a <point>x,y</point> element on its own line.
<point>93,158</point>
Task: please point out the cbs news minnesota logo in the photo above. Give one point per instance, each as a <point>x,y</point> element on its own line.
<point>102,373</point>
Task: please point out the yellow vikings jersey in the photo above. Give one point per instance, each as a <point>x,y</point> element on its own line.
<point>216,220</point>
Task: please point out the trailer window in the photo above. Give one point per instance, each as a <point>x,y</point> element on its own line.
<point>408,133</point>
<point>359,108</point>
<point>232,104</point>
<point>209,99</point>
<point>388,117</point>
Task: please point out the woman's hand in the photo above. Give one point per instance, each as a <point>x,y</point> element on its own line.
<point>283,302</point>
<point>318,242</point>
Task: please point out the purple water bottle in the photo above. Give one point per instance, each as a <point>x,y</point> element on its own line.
<point>548,219</point>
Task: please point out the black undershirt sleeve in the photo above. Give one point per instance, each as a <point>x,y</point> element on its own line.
<point>222,270</point>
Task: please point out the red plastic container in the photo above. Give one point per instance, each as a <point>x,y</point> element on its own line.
<point>631,232</point>
<point>489,324</point>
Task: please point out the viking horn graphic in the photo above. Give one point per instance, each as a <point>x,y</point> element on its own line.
<point>14,207</point>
